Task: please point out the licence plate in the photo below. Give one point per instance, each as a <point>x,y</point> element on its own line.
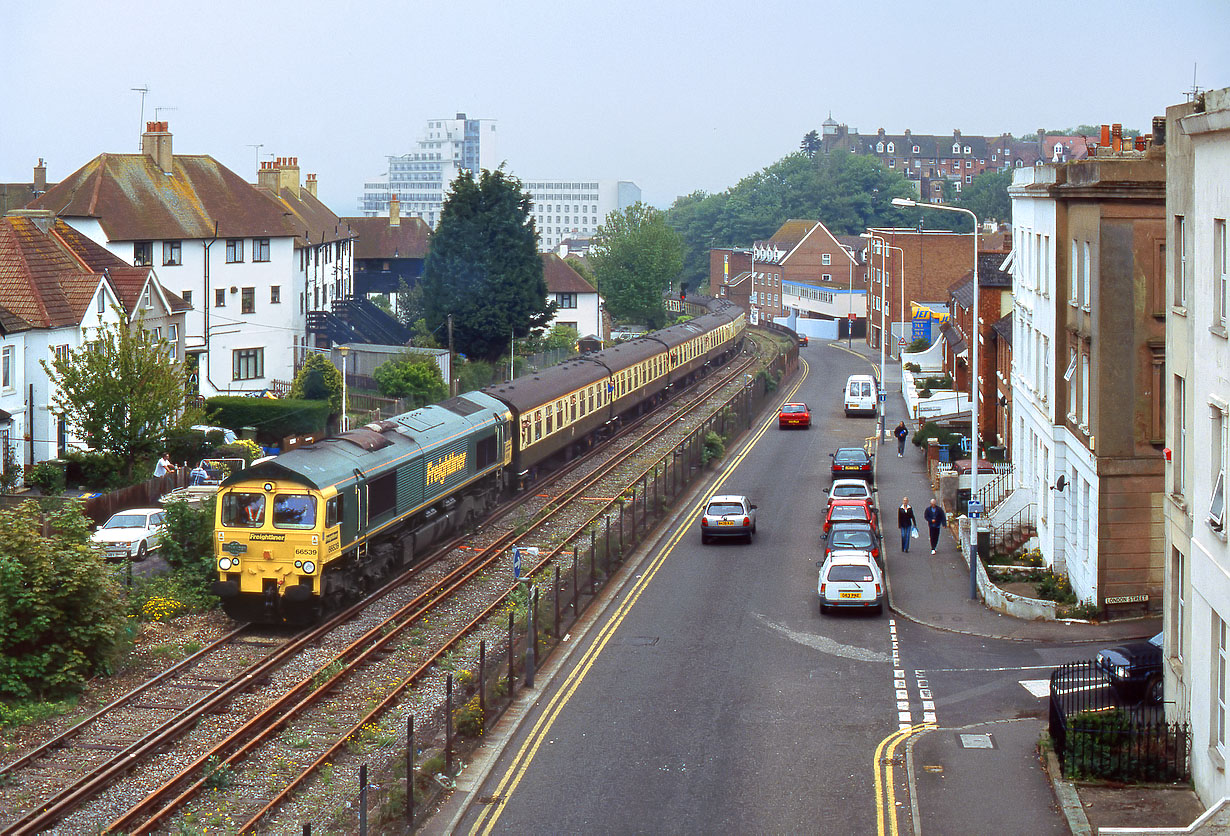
<point>851,595</point>
<point>851,467</point>
<point>725,522</point>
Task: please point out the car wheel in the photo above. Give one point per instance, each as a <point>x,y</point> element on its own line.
<point>142,552</point>
<point>879,609</point>
<point>1153,691</point>
<point>823,609</point>
<point>704,539</point>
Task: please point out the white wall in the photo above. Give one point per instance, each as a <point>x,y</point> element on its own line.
<point>584,315</point>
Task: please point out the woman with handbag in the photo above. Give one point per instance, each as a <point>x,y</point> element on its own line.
<point>907,523</point>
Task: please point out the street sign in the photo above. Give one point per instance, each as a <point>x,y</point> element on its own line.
<point>901,341</point>
<point>851,316</point>
<point>883,396</point>
<point>974,509</point>
<point>516,563</point>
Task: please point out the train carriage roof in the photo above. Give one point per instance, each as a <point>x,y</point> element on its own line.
<point>373,447</point>
<point>534,390</point>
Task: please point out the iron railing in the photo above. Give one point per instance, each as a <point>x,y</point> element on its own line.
<point>1022,524</point>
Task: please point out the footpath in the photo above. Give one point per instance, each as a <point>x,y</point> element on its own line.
<point>1019,785</point>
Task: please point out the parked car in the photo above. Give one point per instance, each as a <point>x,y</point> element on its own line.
<point>849,489</point>
<point>219,434</point>
<point>131,534</point>
<point>850,578</point>
<point>852,535</point>
<point>728,515</point>
<point>848,510</point>
<point>1134,669</point>
<point>851,462</point>
<point>802,340</point>
<point>794,415</point>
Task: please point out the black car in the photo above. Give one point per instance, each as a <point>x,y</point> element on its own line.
<point>851,463</point>
<point>852,535</point>
<point>1134,669</point>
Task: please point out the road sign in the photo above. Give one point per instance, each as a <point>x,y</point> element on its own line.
<point>901,342</point>
<point>974,509</point>
<point>851,316</point>
<point>516,563</point>
<point>883,396</point>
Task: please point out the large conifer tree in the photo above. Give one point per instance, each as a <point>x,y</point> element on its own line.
<point>484,267</point>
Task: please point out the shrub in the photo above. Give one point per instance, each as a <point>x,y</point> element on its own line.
<point>473,374</point>
<point>243,448</point>
<point>913,368</point>
<point>468,720</point>
<point>415,377</point>
<point>10,470</point>
<point>98,470</point>
<point>318,380</point>
<point>273,419</point>
<point>919,344</point>
<point>713,447</point>
<point>925,393</point>
<point>163,597</point>
<point>187,542</point>
<point>47,477</point>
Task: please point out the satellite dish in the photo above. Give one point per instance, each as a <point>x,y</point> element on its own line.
<point>1060,483</point>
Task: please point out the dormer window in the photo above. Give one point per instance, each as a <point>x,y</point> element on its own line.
<point>890,148</point>
<point>879,147</point>
<point>956,148</point>
<point>915,149</point>
<point>966,149</point>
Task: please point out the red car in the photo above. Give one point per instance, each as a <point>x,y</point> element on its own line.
<point>794,415</point>
<point>802,340</point>
<point>849,510</point>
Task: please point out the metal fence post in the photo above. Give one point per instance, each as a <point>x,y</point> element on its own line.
<point>531,640</point>
<point>555,631</point>
<point>363,799</point>
<point>410,770</point>
<point>576,567</point>
<point>482,681</point>
<point>512,654</point>
<point>448,725</point>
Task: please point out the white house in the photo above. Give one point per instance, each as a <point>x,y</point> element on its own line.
<point>578,303</point>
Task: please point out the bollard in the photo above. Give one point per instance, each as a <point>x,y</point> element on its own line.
<point>448,725</point>
<point>410,770</point>
<point>363,799</point>
<point>307,829</point>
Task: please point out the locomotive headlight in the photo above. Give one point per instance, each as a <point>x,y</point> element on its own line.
<point>309,567</point>
<point>224,563</point>
<point>298,564</point>
<point>268,487</point>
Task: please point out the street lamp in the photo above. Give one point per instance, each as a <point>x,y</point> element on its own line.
<point>850,298</point>
<point>884,308</point>
<point>973,360</point>
<point>345,349</point>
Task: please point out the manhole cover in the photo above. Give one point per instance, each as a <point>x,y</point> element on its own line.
<point>976,741</point>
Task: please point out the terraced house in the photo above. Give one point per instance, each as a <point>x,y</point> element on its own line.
<point>250,260</point>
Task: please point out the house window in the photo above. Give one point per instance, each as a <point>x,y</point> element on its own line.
<point>915,149</point>
<point>566,300</point>
<point>171,255</point>
<point>61,352</point>
<point>260,249</point>
<point>828,277</point>
<point>1087,269</point>
<point>1084,389</point>
<point>249,363</point>
<point>1180,602</point>
<point>1219,640</point>
<point>143,253</point>
<point>149,297</point>
<point>826,259</point>
<point>247,300</point>
<point>102,301</point>
<point>965,150</point>
<point>1179,454</point>
<point>219,298</point>
<point>1217,504</point>
<point>1219,272</point>
<point>6,367</point>
<point>1073,275</point>
<point>1180,260</point>
<point>275,295</point>
<point>891,148</point>
<point>234,250</point>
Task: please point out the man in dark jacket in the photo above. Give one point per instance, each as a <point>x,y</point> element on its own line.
<point>936,520</point>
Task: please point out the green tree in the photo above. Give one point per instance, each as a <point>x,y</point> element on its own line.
<point>636,255</point>
<point>415,377</point>
<point>61,612</point>
<point>410,307</point>
<point>187,542</point>
<point>319,380</point>
<point>560,337</point>
<point>987,196</point>
<point>484,267</point>
<point>120,392</point>
<point>810,144</point>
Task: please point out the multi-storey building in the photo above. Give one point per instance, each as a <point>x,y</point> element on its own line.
<point>1000,434</point>
<point>575,208</point>
<point>1086,378</point>
<point>804,252</point>
<point>994,302</point>
<point>251,260</point>
<point>1196,304</point>
<point>421,179</point>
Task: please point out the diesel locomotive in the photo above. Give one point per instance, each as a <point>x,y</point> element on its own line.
<point>314,527</point>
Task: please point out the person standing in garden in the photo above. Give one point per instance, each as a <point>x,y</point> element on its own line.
<point>936,520</point>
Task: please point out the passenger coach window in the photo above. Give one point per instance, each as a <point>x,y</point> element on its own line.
<point>294,510</point>
<point>243,510</point>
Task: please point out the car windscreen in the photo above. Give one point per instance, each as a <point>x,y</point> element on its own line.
<point>847,572</point>
<point>126,521</point>
<point>850,457</point>
<point>850,538</point>
<point>717,509</point>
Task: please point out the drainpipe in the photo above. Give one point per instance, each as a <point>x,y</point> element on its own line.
<point>208,304</point>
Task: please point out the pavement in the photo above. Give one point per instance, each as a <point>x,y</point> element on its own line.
<point>933,590</point>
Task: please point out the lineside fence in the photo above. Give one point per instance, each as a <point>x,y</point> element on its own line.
<point>484,677</point>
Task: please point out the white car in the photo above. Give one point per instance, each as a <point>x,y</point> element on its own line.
<point>849,489</point>
<point>728,515</point>
<point>131,534</point>
<point>851,579</point>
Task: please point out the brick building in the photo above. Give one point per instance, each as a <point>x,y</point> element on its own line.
<point>994,302</point>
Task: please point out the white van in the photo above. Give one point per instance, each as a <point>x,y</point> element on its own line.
<point>860,395</point>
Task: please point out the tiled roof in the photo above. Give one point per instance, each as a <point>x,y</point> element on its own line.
<point>11,323</point>
<point>376,239</point>
<point>790,233</point>
<point>44,279</point>
<point>134,200</point>
<point>561,278</point>
<point>311,220</point>
<point>1003,328</point>
<point>989,275</point>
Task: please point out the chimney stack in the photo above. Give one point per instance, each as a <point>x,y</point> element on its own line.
<point>394,211</point>
<point>1105,139</point>
<point>311,185</point>
<point>288,174</point>
<point>267,176</point>
<point>156,144</point>
<point>40,177</point>
<point>1116,137</point>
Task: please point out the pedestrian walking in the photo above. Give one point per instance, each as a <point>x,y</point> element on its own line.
<point>164,464</point>
<point>902,434</point>
<point>907,523</point>
<point>936,520</point>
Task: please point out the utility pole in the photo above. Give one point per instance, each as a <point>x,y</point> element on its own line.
<point>452,373</point>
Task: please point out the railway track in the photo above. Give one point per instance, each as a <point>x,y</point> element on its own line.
<point>379,636</point>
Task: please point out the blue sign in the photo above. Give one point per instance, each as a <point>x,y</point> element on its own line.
<point>883,396</point>
<point>974,509</point>
<point>922,329</point>
<point>516,563</point>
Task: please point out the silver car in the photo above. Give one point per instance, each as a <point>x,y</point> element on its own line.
<point>728,515</point>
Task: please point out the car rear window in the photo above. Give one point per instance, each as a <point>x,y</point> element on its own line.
<point>849,490</point>
<point>851,539</point>
<point>850,456</point>
<point>848,512</point>
<point>793,407</point>
<point>717,509</point>
<point>846,572</point>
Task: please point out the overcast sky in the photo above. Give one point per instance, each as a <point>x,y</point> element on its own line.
<point>673,96</point>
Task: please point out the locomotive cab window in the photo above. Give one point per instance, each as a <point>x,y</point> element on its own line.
<point>243,510</point>
<point>294,510</point>
<point>486,452</point>
<point>333,511</point>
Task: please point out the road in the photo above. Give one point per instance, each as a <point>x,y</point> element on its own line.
<point>712,697</point>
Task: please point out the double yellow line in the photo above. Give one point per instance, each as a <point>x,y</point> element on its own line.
<point>885,783</point>
<point>525,755</point>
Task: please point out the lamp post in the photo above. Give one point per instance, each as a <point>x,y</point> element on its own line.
<point>973,361</point>
<point>871,236</point>
<point>344,349</point>
<point>849,251</point>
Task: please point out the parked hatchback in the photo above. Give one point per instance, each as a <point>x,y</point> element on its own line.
<point>851,462</point>
<point>131,534</point>
<point>849,489</point>
<point>852,535</point>
<point>728,515</point>
<point>849,510</point>
<point>850,579</point>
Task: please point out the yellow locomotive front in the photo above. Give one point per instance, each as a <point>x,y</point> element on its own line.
<point>271,541</point>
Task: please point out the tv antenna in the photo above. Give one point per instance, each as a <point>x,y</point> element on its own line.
<point>158,110</point>
<point>258,146</point>
<point>1195,92</point>
<point>142,90</point>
